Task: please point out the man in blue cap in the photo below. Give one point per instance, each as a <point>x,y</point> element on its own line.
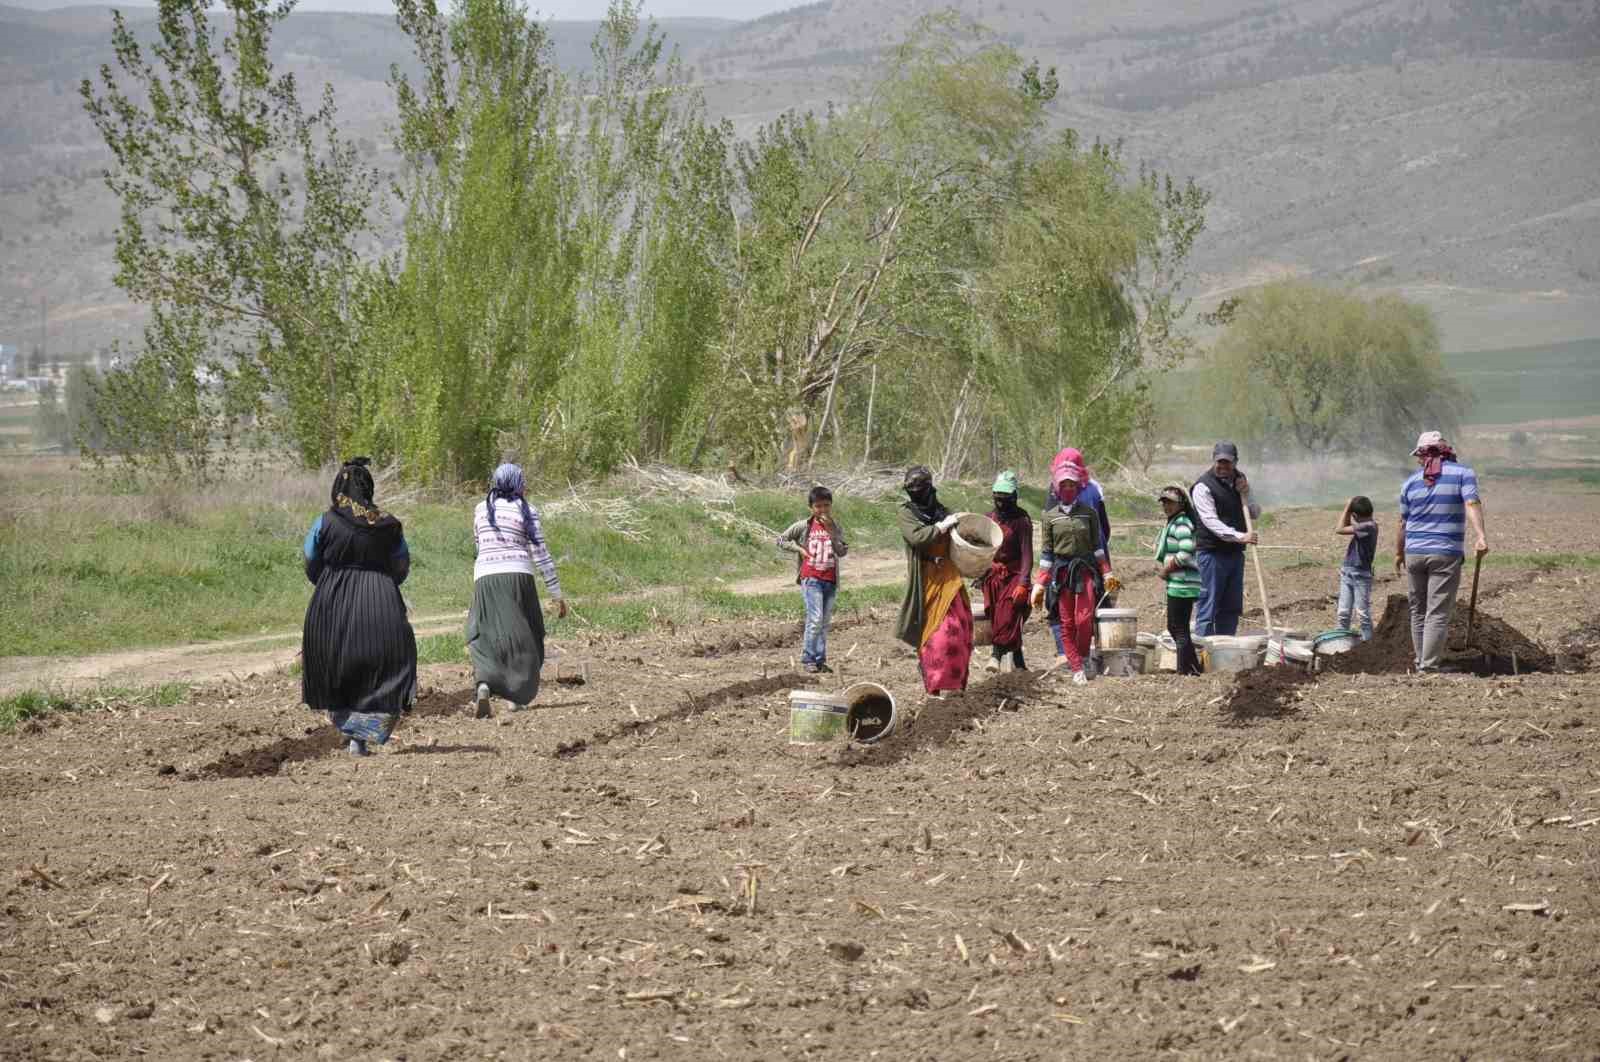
<point>1220,498</point>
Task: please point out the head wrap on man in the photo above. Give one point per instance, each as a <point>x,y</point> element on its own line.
<point>1434,451</point>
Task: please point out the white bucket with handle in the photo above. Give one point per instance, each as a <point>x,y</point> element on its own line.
<point>1118,628</point>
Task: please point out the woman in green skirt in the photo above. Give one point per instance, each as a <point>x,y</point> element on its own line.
<point>505,629</point>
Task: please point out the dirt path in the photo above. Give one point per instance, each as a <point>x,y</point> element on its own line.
<point>242,658</point>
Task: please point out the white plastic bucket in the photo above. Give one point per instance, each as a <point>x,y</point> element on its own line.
<point>1122,663</point>
<point>1331,643</point>
<point>1166,655</point>
<point>973,544</point>
<point>816,717</point>
<point>1289,651</point>
<point>1229,653</point>
<point>870,714</point>
<point>1118,628</point>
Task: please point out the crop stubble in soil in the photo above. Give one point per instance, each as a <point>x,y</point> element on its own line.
<point>691,706</point>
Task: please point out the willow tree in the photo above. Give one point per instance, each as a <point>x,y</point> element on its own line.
<point>559,280</point>
<point>859,230</point>
<point>240,212</point>
<point>1329,370</point>
<point>1081,297</point>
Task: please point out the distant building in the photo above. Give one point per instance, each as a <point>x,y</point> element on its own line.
<point>10,361</point>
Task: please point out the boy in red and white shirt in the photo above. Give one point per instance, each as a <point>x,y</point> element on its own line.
<point>819,541</point>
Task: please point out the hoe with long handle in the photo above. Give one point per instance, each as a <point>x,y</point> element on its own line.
<point>1261,582</point>
<point>1472,607</point>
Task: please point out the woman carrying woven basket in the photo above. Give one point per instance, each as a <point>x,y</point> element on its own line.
<point>1005,585</point>
<point>1074,570</point>
<point>935,617</point>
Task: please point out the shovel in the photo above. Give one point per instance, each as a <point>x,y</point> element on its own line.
<point>1472,606</point>
<point>1261,582</point>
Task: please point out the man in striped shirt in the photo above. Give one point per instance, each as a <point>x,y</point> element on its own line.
<point>1437,504</point>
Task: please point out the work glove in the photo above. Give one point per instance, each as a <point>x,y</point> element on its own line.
<point>1113,584</point>
<point>1019,594</point>
<point>948,522</point>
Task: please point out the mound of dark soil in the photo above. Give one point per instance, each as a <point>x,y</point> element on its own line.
<point>1266,692</point>
<point>269,759</point>
<point>1495,648</point>
<point>1580,647</point>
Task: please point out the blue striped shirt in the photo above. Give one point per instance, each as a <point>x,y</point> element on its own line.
<point>1436,516</point>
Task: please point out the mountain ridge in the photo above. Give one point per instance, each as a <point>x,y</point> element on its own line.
<point>1442,148</point>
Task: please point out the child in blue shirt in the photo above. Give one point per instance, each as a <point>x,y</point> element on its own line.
<point>1355,576</point>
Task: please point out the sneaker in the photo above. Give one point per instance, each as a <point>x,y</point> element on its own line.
<point>812,669</point>
<point>993,664</point>
<point>358,747</point>
<point>520,707</point>
<point>824,669</point>
<point>1079,678</point>
<point>482,710</point>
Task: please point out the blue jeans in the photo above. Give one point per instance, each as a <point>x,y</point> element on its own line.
<point>1221,593</point>
<point>1355,594</point>
<point>819,594</point>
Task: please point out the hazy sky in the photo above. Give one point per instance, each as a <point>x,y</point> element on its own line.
<point>558,9</point>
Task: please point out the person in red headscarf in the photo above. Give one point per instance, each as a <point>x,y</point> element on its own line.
<point>1074,566</point>
<point>1091,494</point>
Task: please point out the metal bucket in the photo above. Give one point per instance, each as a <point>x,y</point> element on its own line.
<point>816,717</point>
<point>869,711</point>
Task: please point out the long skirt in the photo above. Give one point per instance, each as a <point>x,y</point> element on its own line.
<point>358,652</point>
<point>945,656</point>
<point>505,635</point>
<point>1006,614</point>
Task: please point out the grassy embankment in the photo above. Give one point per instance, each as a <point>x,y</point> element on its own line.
<point>85,571</point>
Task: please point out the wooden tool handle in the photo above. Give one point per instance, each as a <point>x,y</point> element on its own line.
<point>1261,582</point>
<point>1472,606</point>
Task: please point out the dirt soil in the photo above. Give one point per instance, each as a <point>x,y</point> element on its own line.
<point>1491,647</point>
<point>644,867</point>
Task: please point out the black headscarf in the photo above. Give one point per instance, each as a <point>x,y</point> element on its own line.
<point>351,495</point>
<point>924,499</point>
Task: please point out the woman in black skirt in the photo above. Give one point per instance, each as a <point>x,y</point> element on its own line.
<point>505,629</point>
<point>358,654</point>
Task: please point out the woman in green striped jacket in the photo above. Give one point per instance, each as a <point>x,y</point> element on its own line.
<point>1175,554</point>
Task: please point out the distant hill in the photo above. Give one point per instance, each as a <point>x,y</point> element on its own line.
<point>1444,148</point>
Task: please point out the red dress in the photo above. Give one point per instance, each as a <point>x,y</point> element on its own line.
<point>1005,588</point>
